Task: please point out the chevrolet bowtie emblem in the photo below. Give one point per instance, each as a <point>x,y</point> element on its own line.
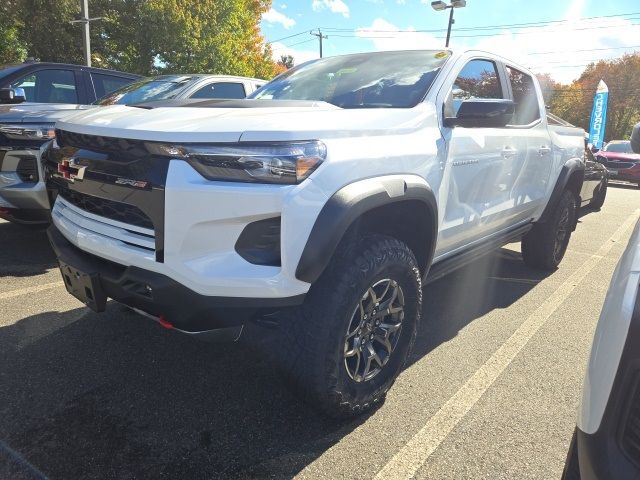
<point>70,170</point>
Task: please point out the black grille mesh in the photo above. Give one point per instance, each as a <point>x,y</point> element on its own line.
<point>124,147</point>
<point>631,429</point>
<point>117,211</point>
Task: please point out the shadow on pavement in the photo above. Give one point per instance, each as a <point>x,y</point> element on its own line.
<point>24,251</point>
<point>114,396</point>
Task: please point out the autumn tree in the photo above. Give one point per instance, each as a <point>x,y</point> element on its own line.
<point>574,102</point>
<point>144,36</point>
<point>286,61</point>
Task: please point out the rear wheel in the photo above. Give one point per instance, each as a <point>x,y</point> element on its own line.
<point>599,197</point>
<point>344,348</point>
<point>545,244</point>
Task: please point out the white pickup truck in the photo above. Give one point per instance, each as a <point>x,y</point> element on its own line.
<point>320,205</point>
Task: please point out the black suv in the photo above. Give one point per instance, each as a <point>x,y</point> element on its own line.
<point>62,83</point>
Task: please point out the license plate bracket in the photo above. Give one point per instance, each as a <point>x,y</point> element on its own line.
<point>85,287</point>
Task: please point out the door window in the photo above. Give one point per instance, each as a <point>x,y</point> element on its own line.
<point>49,86</point>
<point>525,97</point>
<point>105,84</point>
<point>221,90</point>
<point>478,79</point>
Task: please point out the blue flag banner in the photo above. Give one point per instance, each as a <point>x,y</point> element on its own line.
<point>599,115</point>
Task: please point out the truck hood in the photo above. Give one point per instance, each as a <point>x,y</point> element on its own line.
<point>267,123</point>
<point>38,112</point>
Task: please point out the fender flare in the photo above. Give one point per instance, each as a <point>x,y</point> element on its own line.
<point>574,166</point>
<point>348,204</point>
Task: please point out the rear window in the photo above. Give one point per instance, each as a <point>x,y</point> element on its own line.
<point>105,84</point>
<point>527,109</point>
<point>221,90</point>
<point>397,79</point>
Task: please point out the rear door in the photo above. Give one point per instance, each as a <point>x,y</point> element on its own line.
<point>477,160</point>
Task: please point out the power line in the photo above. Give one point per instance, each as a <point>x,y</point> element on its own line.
<point>487,27</point>
<point>287,37</point>
<point>585,50</point>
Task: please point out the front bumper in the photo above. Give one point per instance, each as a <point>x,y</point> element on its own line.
<point>631,174</point>
<point>22,188</point>
<point>163,297</point>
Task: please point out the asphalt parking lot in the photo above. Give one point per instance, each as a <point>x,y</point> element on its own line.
<point>491,390</point>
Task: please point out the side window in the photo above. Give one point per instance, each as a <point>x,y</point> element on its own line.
<point>221,90</point>
<point>478,79</point>
<point>49,86</point>
<point>524,97</point>
<point>105,84</point>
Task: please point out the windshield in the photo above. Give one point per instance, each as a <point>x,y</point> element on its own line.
<point>397,79</point>
<point>621,147</point>
<point>145,90</point>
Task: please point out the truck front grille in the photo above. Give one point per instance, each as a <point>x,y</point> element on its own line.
<point>120,212</point>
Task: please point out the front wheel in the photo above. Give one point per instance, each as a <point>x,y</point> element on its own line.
<point>544,246</point>
<point>347,344</point>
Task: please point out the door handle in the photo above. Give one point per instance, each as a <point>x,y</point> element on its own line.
<point>544,150</point>
<point>509,152</point>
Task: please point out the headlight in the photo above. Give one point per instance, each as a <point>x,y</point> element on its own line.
<point>26,131</point>
<point>285,163</point>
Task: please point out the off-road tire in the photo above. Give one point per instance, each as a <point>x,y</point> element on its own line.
<point>312,347</point>
<point>598,199</point>
<point>544,246</point>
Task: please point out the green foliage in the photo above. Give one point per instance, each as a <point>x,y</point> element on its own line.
<point>144,36</point>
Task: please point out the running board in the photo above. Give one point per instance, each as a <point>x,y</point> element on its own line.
<point>448,265</point>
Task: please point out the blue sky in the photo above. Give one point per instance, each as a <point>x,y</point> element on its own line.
<point>561,48</point>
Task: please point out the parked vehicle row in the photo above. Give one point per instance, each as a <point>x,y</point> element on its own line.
<point>25,127</point>
<point>318,206</point>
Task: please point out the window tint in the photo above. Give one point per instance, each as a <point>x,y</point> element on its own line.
<point>221,90</point>
<point>478,79</point>
<point>524,96</point>
<point>105,84</point>
<point>49,86</point>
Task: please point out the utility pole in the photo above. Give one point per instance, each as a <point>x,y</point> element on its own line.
<point>439,5</point>
<point>85,20</point>
<point>320,37</point>
<point>451,22</point>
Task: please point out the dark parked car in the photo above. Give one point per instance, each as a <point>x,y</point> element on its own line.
<point>60,83</point>
<point>594,187</point>
<point>621,161</point>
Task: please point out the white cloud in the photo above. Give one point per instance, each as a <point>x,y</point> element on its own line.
<point>274,16</point>
<point>336,6</point>
<point>401,2</point>
<point>283,6</point>
<point>299,56</point>
<point>384,37</point>
<point>573,44</point>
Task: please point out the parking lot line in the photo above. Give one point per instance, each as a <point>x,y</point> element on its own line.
<point>408,460</point>
<point>28,290</point>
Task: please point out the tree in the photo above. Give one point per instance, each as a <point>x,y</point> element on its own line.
<point>144,36</point>
<point>574,102</point>
<point>11,49</point>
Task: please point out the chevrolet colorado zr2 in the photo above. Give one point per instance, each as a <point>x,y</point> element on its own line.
<point>321,203</point>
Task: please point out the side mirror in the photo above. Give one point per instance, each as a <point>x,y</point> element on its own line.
<point>12,95</point>
<point>482,113</point>
<point>635,139</point>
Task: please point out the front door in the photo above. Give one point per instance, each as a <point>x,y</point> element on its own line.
<point>478,164</point>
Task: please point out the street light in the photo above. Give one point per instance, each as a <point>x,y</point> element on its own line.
<point>439,5</point>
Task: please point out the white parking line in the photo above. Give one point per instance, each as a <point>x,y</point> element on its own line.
<point>408,460</point>
<point>28,290</point>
